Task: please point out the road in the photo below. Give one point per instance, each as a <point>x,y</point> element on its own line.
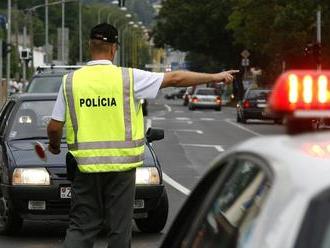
<point>192,140</point>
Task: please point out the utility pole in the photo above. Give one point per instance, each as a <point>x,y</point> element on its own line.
<point>318,35</point>
<point>80,33</point>
<point>46,32</point>
<point>63,18</point>
<point>24,47</point>
<point>8,41</point>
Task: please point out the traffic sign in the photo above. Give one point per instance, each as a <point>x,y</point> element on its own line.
<point>245,54</point>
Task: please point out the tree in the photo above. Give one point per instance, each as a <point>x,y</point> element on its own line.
<point>198,27</point>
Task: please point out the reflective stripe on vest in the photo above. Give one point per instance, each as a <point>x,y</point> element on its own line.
<point>103,155</point>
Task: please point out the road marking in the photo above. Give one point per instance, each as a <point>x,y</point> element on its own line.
<point>188,130</point>
<point>207,119</point>
<point>149,123</point>
<point>158,118</point>
<point>175,184</point>
<point>178,111</point>
<point>217,147</point>
<point>182,118</point>
<point>242,127</point>
<point>169,109</point>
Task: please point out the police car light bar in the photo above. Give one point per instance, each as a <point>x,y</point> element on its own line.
<point>301,90</point>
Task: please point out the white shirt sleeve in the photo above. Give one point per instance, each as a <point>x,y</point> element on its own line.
<point>59,107</point>
<point>146,84</point>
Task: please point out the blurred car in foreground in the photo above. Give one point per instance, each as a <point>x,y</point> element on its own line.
<point>302,97</point>
<point>34,189</point>
<point>176,94</point>
<point>254,106</point>
<point>205,98</point>
<point>48,79</point>
<point>187,95</point>
<point>266,192</point>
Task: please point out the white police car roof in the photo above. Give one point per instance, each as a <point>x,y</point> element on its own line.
<point>301,170</point>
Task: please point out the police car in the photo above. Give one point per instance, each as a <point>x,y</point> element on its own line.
<point>260,195</point>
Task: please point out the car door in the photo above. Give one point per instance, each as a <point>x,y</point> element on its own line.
<point>222,210</point>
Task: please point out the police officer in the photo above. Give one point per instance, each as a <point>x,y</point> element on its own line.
<point>100,106</point>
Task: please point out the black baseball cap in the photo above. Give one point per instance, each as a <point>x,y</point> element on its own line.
<point>105,32</point>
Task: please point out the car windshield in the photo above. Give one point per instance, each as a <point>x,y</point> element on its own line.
<point>45,84</point>
<point>31,119</point>
<point>261,94</point>
<point>205,92</point>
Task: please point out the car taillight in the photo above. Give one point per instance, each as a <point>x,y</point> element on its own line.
<point>301,90</point>
<point>195,99</point>
<point>246,104</point>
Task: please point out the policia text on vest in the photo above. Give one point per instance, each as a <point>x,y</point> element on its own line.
<point>98,102</point>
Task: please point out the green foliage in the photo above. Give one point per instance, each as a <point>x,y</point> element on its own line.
<point>217,30</point>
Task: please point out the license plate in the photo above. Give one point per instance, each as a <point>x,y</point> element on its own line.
<point>65,192</point>
<point>138,204</point>
<point>261,105</point>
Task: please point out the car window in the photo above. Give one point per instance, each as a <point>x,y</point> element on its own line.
<point>261,94</point>
<point>205,92</point>
<point>31,119</point>
<point>315,228</point>
<point>230,216</point>
<point>45,84</point>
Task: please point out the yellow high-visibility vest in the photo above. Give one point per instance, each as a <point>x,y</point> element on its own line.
<point>104,125</point>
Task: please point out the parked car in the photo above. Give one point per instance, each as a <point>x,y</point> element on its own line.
<point>48,79</point>
<point>175,94</point>
<point>254,106</point>
<point>205,98</point>
<point>266,192</point>
<point>31,188</point>
<point>187,95</point>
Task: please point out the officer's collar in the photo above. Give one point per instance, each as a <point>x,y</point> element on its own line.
<point>100,62</point>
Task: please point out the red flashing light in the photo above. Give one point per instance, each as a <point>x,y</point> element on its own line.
<point>301,90</point>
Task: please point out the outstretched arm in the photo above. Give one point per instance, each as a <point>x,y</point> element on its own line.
<point>187,78</point>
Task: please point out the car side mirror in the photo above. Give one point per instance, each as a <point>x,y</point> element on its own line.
<point>154,134</point>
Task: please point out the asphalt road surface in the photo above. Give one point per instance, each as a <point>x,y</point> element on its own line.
<point>192,140</point>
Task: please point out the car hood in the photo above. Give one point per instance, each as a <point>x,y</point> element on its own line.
<point>24,155</point>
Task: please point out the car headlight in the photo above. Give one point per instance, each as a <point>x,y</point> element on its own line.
<point>147,175</point>
<point>31,176</point>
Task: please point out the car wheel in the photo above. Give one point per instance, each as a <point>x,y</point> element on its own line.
<point>278,121</point>
<point>297,126</point>
<point>218,109</point>
<point>10,221</point>
<point>238,118</point>
<point>191,107</point>
<point>156,220</point>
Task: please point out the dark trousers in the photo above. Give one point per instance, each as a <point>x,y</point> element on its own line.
<point>101,200</point>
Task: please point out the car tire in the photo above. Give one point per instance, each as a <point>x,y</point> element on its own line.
<point>218,109</point>
<point>298,126</point>
<point>10,221</point>
<point>156,220</point>
<point>238,118</point>
<point>278,121</point>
